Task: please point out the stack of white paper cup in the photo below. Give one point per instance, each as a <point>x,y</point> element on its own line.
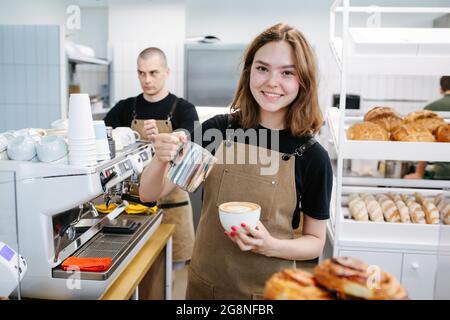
<point>81,134</point>
<point>102,143</point>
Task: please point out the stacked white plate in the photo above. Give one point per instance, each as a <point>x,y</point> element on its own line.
<point>81,135</point>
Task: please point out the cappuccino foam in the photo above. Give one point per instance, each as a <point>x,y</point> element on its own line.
<point>239,207</point>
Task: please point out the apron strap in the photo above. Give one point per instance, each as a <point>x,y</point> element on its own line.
<point>169,116</point>
<point>172,110</point>
<point>134,114</point>
<point>173,205</point>
<point>300,150</point>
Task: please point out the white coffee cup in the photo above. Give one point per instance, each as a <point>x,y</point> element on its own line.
<point>51,148</point>
<point>237,212</point>
<point>126,135</point>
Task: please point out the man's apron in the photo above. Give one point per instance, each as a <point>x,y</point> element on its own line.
<point>176,205</point>
<point>219,269</point>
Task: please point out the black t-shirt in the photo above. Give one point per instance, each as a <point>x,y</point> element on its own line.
<point>183,117</point>
<point>313,172</point>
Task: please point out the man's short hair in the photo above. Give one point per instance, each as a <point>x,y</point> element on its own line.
<point>445,83</point>
<point>152,51</point>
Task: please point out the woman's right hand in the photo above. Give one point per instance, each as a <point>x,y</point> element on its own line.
<point>167,144</point>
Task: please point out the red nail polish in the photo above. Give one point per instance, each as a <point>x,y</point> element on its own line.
<point>233,228</point>
<point>233,234</point>
<point>243,225</point>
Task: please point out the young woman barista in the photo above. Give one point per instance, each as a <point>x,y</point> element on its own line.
<point>277,92</point>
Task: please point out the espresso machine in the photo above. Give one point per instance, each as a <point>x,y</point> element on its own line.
<point>57,219</point>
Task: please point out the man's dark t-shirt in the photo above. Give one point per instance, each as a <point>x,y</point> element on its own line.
<point>184,115</point>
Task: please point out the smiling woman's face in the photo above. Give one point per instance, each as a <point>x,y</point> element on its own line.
<point>274,81</point>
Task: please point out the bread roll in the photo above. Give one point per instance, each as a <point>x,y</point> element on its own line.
<point>358,209</point>
<point>443,204</point>
<point>412,132</point>
<point>374,209</point>
<point>431,211</point>
<point>401,206</point>
<point>390,210</point>
<point>386,117</point>
<point>367,131</point>
<point>443,133</point>
<point>426,118</point>
<point>415,210</point>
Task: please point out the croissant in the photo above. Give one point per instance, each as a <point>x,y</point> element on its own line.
<point>443,204</point>
<point>386,117</point>
<point>415,210</point>
<point>351,277</point>
<point>374,209</point>
<point>294,284</point>
<point>431,212</point>
<point>390,210</point>
<point>358,209</point>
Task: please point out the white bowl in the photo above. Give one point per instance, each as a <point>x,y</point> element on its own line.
<point>237,212</point>
<point>51,148</point>
<point>21,148</point>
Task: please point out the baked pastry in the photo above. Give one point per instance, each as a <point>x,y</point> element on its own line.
<point>351,277</point>
<point>294,284</point>
<point>373,208</point>
<point>426,118</point>
<point>401,206</point>
<point>443,133</point>
<point>431,211</point>
<point>386,117</point>
<point>367,131</point>
<point>358,209</point>
<point>443,204</point>
<point>390,210</point>
<point>415,210</point>
<point>412,132</point>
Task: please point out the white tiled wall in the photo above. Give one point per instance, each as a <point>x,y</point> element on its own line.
<point>30,71</point>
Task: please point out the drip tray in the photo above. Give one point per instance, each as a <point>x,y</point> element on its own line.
<point>116,245</point>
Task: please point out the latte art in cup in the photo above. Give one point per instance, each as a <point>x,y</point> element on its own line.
<point>239,207</point>
<point>237,212</point>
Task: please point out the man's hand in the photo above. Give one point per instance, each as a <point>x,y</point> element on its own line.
<point>150,130</point>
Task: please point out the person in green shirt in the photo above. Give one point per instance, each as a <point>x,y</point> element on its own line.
<point>441,170</point>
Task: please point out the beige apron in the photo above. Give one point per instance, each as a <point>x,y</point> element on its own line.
<point>219,269</point>
<point>176,205</point>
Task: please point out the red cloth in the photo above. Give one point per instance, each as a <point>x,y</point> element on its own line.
<point>86,264</point>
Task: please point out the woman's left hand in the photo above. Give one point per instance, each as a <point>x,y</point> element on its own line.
<point>256,239</point>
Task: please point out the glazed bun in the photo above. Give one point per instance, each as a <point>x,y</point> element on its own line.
<point>367,131</point>
<point>425,118</point>
<point>443,133</point>
<point>412,132</point>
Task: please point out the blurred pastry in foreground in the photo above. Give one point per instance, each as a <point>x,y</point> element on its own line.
<point>426,118</point>
<point>386,117</point>
<point>294,284</point>
<point>367,131</point>
<point>412,132</point>
<point>351,277</point>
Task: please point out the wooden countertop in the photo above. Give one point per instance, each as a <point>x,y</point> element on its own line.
<point>125,284</point>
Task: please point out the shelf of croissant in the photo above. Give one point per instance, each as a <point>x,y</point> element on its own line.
<point>417,219</point>
<point>387,149</point>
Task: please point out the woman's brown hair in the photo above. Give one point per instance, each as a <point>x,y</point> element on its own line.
<point>303,115</point>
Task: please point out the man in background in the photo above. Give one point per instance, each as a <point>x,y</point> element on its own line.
<point>154,111</point>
